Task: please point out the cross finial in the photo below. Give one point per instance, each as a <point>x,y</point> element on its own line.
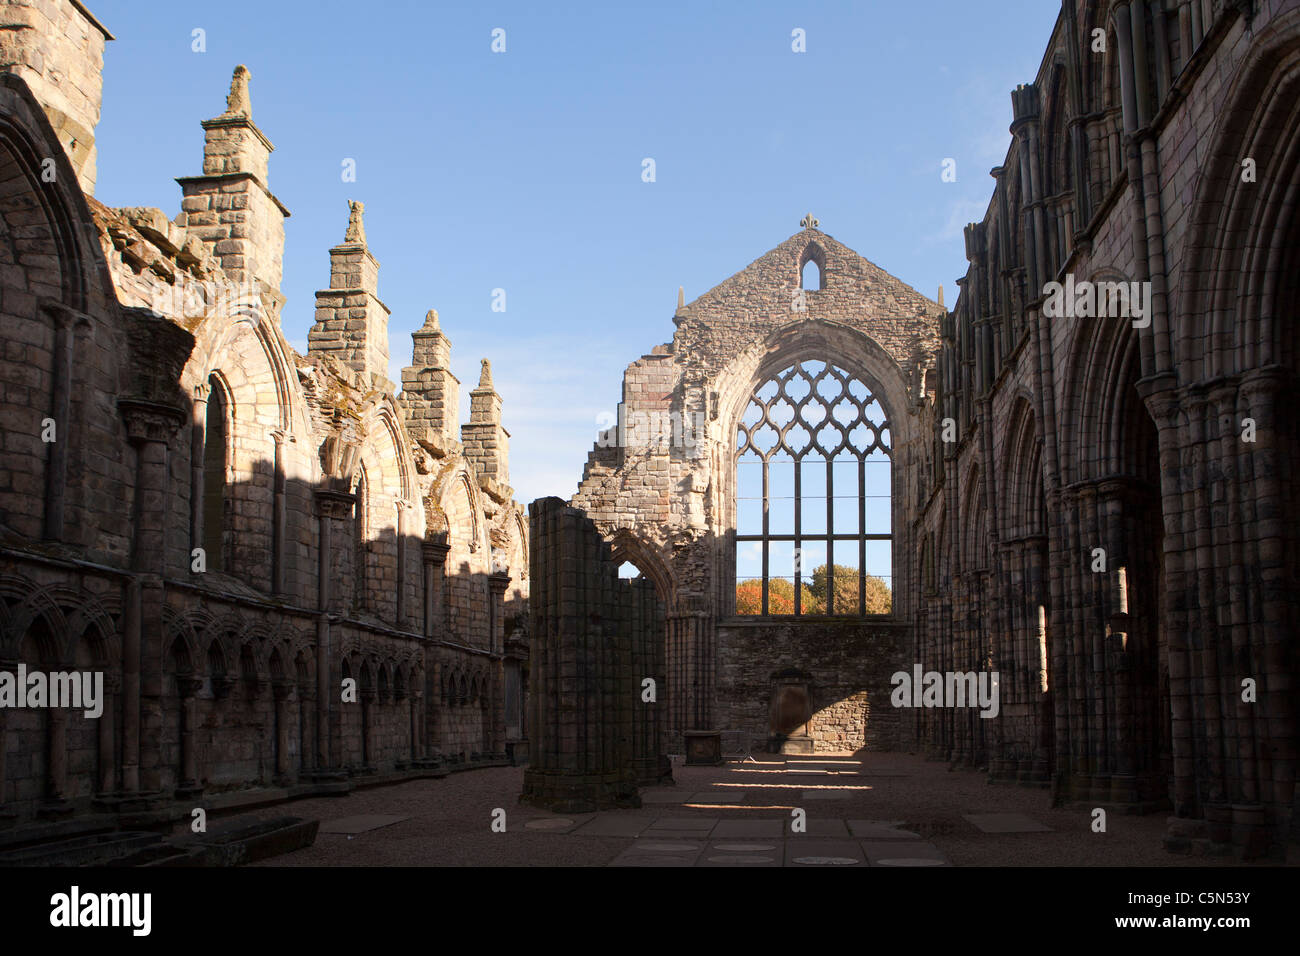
<point>808,222</point>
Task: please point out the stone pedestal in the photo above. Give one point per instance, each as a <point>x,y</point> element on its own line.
<point>703,748</point>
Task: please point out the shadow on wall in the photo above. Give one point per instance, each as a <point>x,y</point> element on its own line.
<point>230,692</point>
<point>800,685</point>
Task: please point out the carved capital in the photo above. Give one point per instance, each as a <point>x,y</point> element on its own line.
<point>335,504</point>
<point>149,421</point>
<point>435,552</point>
<point>498,581</point>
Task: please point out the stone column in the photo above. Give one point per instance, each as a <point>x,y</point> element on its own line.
<point>435,560</point>
<point>1272,638</point>
<point>402,507</point>
<point>188,688</point>
<point>416,699</point>
<point>306,732</point>
<point>367,696</point>
<point>278,514</point>
<point>66,322</point>
<point>498,581</point>
<point>150,426</point>
<point>107,756</point>
<point>283,694</point>
<point>331,506</point>
<point>56,759</point>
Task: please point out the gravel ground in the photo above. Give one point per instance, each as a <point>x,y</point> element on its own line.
<point>450,819</point>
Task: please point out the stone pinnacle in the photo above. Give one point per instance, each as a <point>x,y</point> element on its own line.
<point>356,228</point>
<point>237,102</point>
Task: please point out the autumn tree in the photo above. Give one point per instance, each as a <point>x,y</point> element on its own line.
<point>879,599</point>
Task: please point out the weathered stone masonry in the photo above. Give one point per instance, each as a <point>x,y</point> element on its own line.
<point>225,528</point>
<point>1123,685</point>
<point>668,505</point>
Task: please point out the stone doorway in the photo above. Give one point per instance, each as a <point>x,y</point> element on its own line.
<point>790,713</point>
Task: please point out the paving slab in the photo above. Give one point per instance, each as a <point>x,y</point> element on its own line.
<point>750,829</point>
<point>738,846</point>
<point>881,830</point>
<point>554,824</point>
<point>663,796</point>
<point>1005,823</point>
<point>710,858</point>
<point>676,834</point>
<point>823,853</point>
<point>892,853</point>
<point>818,827</point>
<point>825,795</point>
<point>702,824</point>
<point>653,859</point>
<point>717,796</point>
<point>613,824</point>
<point>360,823</point>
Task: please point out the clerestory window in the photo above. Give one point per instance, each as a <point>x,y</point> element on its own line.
<point>813,501</point>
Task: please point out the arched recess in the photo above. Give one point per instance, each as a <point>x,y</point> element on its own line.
<point>394,524</point>
<point>1022,504</point>
<point>469,560</point>
<point>216,506</point>
<point>1099,355</point>
<point>56,303</point>
<point>865,361</point>
<point>1240,262</point>
<point>626,547</point>
<point>1058,164</point>
<point>239,348</point>
<point>975,554</point>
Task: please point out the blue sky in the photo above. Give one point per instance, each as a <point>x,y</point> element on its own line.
<point>522,170</point>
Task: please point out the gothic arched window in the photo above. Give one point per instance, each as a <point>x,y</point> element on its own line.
<point>813,496</point>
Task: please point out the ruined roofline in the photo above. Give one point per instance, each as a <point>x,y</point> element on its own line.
<point>808,234</point>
